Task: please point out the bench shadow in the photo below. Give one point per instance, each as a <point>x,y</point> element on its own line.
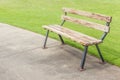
<point>71,53</point>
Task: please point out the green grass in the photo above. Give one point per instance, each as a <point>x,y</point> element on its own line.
<point>32,14</point>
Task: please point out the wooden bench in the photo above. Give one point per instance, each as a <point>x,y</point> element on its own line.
<point>78,37</point>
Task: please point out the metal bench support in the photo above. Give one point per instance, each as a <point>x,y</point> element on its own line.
<point>100,53</point>
<point>61,39</point>
<point>44,46</point>
<point>84,58</point>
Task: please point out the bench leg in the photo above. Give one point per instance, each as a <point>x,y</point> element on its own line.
<point>100,53</point>
<point>44,46</point>
<point>84,58</point>
<point>61,39</point>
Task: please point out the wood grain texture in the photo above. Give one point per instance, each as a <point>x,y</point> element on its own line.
<point>81,38</point>
<point>88,14</point>
<point>87,23</point>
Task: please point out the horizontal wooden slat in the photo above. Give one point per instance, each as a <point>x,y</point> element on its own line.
<point>88,14</point>
<point>87,23</point>
<point>73,35</point>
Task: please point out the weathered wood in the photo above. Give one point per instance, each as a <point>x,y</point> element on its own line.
<point>73,35</point>
<point>88,14</point>
<point>87,23</point>
<point>81,38</point>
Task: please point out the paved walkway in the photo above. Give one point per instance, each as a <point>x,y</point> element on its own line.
<point>22,58</point>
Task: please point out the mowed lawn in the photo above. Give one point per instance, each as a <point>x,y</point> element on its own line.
<point>32,14</point>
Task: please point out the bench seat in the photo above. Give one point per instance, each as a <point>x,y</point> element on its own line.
<point>81,38</point>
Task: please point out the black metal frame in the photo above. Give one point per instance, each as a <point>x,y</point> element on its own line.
<point>100,53</point>
<point>85,47</point>
<point>44,46</point>
<point>84,57</point>
<point>60,35</point>
<point>61,39</point>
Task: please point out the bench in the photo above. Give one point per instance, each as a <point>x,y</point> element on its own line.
<point>78,37</point>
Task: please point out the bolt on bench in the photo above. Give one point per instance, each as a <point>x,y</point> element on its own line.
<point>78,37</point>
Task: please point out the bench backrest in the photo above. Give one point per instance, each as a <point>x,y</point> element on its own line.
<point>104,28</point>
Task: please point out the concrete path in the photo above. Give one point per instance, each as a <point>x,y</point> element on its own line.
<point>22,58</point>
